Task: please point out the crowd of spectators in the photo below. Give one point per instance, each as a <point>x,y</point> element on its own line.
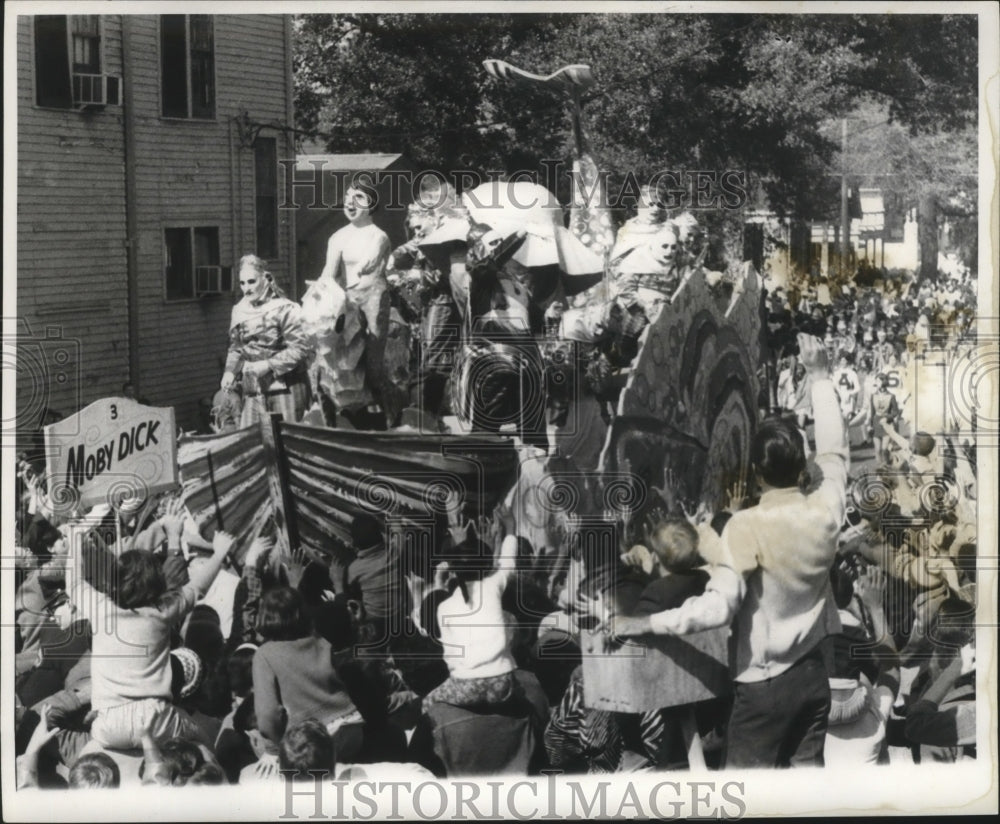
<point>152,656</point>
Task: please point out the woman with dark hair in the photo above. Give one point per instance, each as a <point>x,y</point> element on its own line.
<point>294,677</point>
<point>268,347</point>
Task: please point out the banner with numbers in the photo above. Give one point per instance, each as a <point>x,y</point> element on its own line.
<point>113,450</point>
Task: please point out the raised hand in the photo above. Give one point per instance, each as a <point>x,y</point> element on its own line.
<point>870,587</point>
<point>259,547</point>
<point>453,507</point>
<point>812,354</point>
<point>172,520</point>
<point>641,558</point>
<point>503,517</point>
<point>296,566</point>
<point>222,543</point>
<point>737,495</point>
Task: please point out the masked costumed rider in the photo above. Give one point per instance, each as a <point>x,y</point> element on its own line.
<point>268,347</point>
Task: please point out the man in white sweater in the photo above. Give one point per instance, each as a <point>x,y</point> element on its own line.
<point>774,587</point>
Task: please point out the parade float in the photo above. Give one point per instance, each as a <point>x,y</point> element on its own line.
<point>565,398</point>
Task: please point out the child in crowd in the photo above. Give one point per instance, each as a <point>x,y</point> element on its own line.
<point>475,631</point>
<point>130,663</point>
<point>294,677</point>
<point>374,574</point>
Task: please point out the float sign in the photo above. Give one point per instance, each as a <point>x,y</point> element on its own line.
<point>112,450</point>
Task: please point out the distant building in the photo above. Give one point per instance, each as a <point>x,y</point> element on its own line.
<point>144,174</point>
<point>882,231</point>
<point>320,180</point>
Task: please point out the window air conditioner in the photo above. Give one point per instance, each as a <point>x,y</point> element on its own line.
<point>96,90</point>
<point>210,280</point>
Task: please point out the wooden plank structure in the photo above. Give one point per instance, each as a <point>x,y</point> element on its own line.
<point>224,482</point>
<point>314,480</point>
<point>335,474</point>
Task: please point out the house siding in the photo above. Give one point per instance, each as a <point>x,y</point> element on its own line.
<point>71,252</point>
<point>72,218</point>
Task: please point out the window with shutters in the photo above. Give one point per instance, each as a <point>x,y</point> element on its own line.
<point>65,46</point>
<point>187,66</point>
<point>266,187</point>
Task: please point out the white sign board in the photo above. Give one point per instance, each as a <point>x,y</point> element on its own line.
<point>114,449</point>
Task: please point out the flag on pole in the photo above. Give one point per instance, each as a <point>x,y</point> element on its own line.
<point>589,216</point>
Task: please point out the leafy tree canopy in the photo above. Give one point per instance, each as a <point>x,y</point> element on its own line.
<point>747,92</point>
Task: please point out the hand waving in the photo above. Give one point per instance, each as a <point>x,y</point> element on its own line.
<point>172,520</point>
<point>812,354</point>
<point>295,566</point>
<point>222,543</point>
<point>259,547</point>
<point>737,495</point>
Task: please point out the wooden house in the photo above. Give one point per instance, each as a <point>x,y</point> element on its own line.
<point>148,153</point>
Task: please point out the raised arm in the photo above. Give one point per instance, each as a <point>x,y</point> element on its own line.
<point>175,605</point>
<point>831,435</point>
<point>27,764</point>
<point>870,589</point>
<point>505,534</point>
<point>896,438</point>
<point>716,607</point>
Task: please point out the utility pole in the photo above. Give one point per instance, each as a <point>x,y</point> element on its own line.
<point>845,221</point>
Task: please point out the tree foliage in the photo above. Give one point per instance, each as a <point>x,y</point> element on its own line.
<point>746,92</point>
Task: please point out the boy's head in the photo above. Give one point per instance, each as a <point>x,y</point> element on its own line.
<point>95,770</point>
<point>239,668</point>
<point>140,580</point>
<point>181,758</point>
<point>366,532</point>
<point>283,615</point>
<point>306,746</point>
<point>778,453</point>
<point>675,544</point>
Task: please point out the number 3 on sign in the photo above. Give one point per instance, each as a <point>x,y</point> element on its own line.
<point>114,412</point>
